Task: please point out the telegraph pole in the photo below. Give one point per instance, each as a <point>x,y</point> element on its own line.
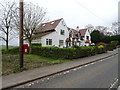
<point>21,35</point>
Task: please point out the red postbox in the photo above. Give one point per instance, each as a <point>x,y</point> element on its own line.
<point>25,48</point>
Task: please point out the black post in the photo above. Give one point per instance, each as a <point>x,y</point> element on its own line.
<point>21,34</point>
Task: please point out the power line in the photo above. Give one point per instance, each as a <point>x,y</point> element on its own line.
<point>89,11</point>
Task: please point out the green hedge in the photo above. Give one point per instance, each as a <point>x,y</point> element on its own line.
<point>14,50</point>
<point>67,53</point>
<point>64,53</point>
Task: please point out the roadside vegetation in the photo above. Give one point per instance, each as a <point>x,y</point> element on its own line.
<point>10,62</point>
<point>44,56</point>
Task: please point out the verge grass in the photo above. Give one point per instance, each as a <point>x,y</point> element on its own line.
<point>10,63</point>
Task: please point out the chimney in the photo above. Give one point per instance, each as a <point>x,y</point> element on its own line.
<point>77,28</point>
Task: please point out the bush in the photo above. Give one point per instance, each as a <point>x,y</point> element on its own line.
<point>67,53</point>
<point>114,43</point>
<point>110,47</point>
<point>11,51</point>
<point>101,49</point>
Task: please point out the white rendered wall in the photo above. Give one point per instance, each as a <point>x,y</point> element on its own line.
<point>56,36</point>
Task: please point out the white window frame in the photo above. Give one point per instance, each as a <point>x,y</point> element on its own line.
<point>61,42</point>
<point>48,41</point>
<point>61,32</point>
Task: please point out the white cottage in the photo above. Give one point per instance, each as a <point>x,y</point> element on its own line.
<point>85,37</point>
<point>52,33</point>
<point>79,37</point>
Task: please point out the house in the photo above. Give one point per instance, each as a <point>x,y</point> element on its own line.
<point>85,37</point>
<point>53,33</point>
<point>80,37</point>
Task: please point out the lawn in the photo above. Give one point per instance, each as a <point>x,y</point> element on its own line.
<point>10,63</point>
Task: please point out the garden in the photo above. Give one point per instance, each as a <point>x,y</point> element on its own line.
<point>46,56</point>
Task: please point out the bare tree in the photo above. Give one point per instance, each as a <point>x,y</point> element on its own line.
<point>102,29</point>
<point>90,27</point>
<point>115,28</point>
<point>34,16</point>
<point>6,17</point>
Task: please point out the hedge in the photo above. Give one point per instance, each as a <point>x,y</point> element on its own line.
<point>63,53</point>
<point>67,53</point>
<point>14,50</point>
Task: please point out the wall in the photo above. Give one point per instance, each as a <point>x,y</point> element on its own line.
<point>56,36</point>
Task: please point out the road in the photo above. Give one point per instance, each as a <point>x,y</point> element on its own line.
<point>101,74</point>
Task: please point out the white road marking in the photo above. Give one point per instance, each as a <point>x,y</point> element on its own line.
<point>86,65</point>
<point>74,69</point>
<point>29,85</point>
<point>48,78</point>
<point>64,73</point>
<point>67,71</point>
<point>113,84</point>
<point>118,88</point>
<point>32,83</point>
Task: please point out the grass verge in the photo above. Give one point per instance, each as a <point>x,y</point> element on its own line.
<point>10,63</point>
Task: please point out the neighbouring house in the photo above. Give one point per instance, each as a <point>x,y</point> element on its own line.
<point>56,33</point>
<point>79,37</point>
<point>52,33</point>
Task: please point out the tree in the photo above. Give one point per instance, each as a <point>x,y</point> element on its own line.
<point>102,29</point>
<point>34,16</point>
<point>115,28</point>
<point>96,36</point>
<point>6,21</point>
<point>90,27</point>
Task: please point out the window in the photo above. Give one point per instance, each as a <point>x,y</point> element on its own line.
<point>62,32</point>
<point>53,22</point>
<point>61,42</point>
<point>48,41</point>
<point>43,25</point>
<point>87,37</point>
<point>82,37</point>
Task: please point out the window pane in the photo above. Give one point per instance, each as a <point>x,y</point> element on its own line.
<point>87,37</point>
<point>61,42</point>
<point>50,41</point>
<point>47,42</point>
<point>62,32</point>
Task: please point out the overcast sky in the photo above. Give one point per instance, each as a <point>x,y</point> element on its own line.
<point>80,12</point>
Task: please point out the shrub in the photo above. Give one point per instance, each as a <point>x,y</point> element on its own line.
<point>114,43</point>
<point>110,47</point>
<point>67,53</point>
<point>11,51</point>
<point>101,49</point>
<point>102,43</point>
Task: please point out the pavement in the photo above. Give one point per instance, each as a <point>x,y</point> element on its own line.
<point>16,79</point>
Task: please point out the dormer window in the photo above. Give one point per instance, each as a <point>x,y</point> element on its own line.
<point>52,22</point>
<point>43,25</point>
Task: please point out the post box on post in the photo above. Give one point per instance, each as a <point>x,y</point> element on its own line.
<point>25,48</point>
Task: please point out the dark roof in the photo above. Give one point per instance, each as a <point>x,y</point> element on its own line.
<point>75,32</point>
<point>82,32</point>
<point>48,26</point>
<point>41,34</point>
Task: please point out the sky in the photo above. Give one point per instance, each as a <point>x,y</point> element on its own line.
<point>79,12</point>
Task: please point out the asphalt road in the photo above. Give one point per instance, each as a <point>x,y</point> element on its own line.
<point>102,74</point>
